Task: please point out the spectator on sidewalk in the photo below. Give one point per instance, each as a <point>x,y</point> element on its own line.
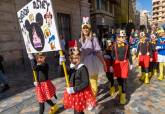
<point>3,78</point>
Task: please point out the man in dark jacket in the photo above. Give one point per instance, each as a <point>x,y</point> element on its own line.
<point>3,79</point>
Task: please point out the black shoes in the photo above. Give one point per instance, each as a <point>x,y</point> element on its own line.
<point>5,88</point>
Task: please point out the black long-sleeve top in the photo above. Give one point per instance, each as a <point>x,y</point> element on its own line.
<point>153,46</point>
<point>121,51</point>
<point>143,48</point>
<point>42,70</point>
<point>79,77</point>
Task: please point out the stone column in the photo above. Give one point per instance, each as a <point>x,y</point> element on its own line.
<point>84,8</point>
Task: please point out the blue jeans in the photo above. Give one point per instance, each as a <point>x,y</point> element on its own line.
<point>3,78</point>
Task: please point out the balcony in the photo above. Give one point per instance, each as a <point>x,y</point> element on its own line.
<point>156,11</point>
<point>157,5</point>
<point>155,16</point>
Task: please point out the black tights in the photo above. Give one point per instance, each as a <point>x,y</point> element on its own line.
<point>109,76</point>
<point>145,70</point>
<point>153,65</point>
<point>122,83</point>
<point>75,112</point>
<point>42,105</point>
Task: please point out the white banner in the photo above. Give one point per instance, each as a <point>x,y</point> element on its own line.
<point>38,27</point>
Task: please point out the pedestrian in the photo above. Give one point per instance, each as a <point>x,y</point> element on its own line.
<point>3,78</point>
<point>113,35</point>
<point>62,42</point>
<point>109,64</point>
<point>161,52</point>
<point>79,95</point>
<point>91,54</point>
<point>144,54</point>
<point>45,90</point>
<point>122,63</point>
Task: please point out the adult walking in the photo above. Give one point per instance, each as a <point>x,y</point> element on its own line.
<point>91,54</point>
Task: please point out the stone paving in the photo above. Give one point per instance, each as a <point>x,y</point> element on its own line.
<point>142,98</point>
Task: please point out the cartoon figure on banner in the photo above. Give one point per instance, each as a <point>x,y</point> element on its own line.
<point>35,32</point>
<point>48,18</point>
<point>52,42</point>
<point>31,17</point>
<point>46,31</point>
<point>27,42</point>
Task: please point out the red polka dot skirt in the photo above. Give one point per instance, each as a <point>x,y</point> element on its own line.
<point>45,91</point>
<point>80,100</point>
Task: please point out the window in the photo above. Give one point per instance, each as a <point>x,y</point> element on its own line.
<point>110,7</point>
<point>104,5</point>
<point>98,4</point>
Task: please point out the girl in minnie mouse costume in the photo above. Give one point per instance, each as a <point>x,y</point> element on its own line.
<point>45,90</point>
<point>79,96</point>
<point>122,59</point>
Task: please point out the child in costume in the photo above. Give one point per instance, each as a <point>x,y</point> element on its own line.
<point>122,58</point>
<point>109,63</point>
<point>134,41</point>
<point>45,90</point>
<point>161,52</point>
<point>154,63</point>
<point>79,95</point>
<point>144,52</point>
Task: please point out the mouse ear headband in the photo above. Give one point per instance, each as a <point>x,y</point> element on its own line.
<point>86,22</point>
<point>73,47</point>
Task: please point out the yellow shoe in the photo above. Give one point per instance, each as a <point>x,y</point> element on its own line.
<point>150,74</point>
<point>160,77</point>
<point>123,99</point>
<point>53,109</point>
<point>112,91</point>
<point>120,90</point>
<point>146,81</point>
<point>142,77</point>
<point>155,72</point>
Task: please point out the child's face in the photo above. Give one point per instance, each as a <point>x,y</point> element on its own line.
<point>120,39</point>
<point>75,60</point>
<point>40,59</point>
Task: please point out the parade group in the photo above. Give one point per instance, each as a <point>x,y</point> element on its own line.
<point>88,61</point>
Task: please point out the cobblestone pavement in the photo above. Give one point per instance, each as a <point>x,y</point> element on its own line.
<point>142,99</point>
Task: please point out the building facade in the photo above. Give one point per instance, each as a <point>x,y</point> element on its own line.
<point>102,14</point>
<point>158,12</point>
<point>145,19</point>
<point>137,19</point>
<point>125,11</point>
<point>68,14</point>
<point>108,14</point>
